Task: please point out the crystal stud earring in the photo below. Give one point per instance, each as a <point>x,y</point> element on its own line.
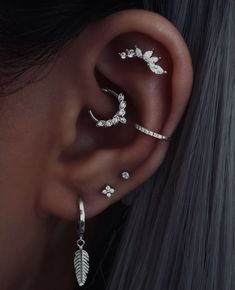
<point>108,191</point>
<point>125,175</point>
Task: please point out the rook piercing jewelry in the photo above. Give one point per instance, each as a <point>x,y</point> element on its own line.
<point>119,117</point>
<point>125,175</point>
<point>152,134</point>
<point>81,259</point>
<point>147,57</point>
<point>108,191</point>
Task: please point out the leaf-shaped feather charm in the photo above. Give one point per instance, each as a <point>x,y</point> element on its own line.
<point>81,265</point>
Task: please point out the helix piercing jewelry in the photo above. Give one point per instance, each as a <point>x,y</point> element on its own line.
<point>125,175</point>
<point>108,191</point>
<point>147,57</point>
<point>152,134</point>
<point>119,117</point>
<point>81,259</point>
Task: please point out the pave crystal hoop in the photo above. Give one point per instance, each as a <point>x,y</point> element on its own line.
<point>81,259</point>
<point>152,134</point>
<point>147,56</point>
<point>119,117</point>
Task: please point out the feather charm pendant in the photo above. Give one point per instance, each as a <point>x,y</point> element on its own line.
<point>81,264</point>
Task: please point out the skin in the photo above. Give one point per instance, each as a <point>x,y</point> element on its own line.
<point>51,152</point>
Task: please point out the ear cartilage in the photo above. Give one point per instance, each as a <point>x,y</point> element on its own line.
<point>152,134</point>
<point>119,117</point>
<point>147,57</point>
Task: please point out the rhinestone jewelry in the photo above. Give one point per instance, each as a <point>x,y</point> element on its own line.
<point>146,56</point>
<point>152,134</point>
<point>125,175</point>
<point>108,191</point>
<point>119,117</point>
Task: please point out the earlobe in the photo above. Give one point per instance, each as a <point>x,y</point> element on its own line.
<point>145,68</point>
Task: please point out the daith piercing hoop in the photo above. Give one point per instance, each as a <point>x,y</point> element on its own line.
<point>147,57</point>
<point>119,117</point>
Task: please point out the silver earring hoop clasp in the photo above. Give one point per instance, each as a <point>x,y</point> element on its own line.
<point>119,117</point>
<point>81,222</point>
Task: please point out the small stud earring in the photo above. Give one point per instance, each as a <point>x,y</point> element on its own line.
<point>147,57</point>
<point>108,191</point>
<point>125,175</point>
<point>119,117</point>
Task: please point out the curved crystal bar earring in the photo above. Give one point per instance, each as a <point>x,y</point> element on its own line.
<point>147,57</point>
<point>119,117</point>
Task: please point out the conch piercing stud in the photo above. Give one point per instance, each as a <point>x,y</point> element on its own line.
<point>81,259</point>
<point>119,117</point>
<point>108,191</point>
<point>147,57</point>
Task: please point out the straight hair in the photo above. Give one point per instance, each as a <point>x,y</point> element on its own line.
<point>179,231</point>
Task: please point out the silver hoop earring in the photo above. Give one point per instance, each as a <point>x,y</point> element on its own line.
<point>152,134</point>
<point>81,259</point>
<point>119,117</point>
<point>147,56</point>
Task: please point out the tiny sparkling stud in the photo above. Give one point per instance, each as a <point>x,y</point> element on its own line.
<point>125,175</point>
<point>108,191</point>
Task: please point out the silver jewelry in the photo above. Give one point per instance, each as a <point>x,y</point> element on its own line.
<point>119,117</point>
<point>152,134</point>
<point>125,175</point>
<point>147,57</point>
<point>108,191</point>
<point>81,259</point>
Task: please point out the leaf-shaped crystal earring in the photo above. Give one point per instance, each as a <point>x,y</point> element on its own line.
<point>81,259</point>
<point>147,57</point>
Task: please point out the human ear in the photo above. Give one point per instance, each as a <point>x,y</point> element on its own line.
<point>88,157</point>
